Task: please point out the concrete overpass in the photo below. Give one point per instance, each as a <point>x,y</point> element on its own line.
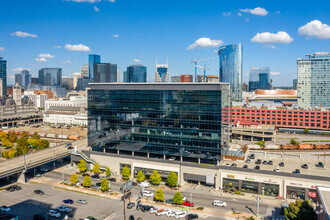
<point>20,164</point>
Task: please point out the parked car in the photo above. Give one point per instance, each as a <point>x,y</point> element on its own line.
<point>170,213</point>
<point>144,184</point>
<point>219,203</point>
<point>252,156</point>
<point>191,216</point>
<point>54,213</point>
<point>131,217</point>
<point>265,162</point>
<point>82,201</point>
<point>16,187</point>
<point>248,161</point>
<point>148,194</point>
<point>68,145</point>
<point>43,169</point>
<point>169,201</point>
<point>39,217</point>
<point>281,164</point>
<point>85,174</point>
<point>4,208</point>
<point>257,167</point>
<point>305,166</point>
<point>277,169</point>
<point>320,164</point>
<point>130,205</point>
<point>188,203</point>
<point>39,192</point>
<point>227,165</point>
<point>95,176</point>
<point>112,179</point>
<point>172,158</point>
<point>180,215</point>
<point>296,171</point>
<point>153,210</point>
<point>162,212</point>
<point>68,201</point>
<point>258,161</point>
<point>145,208</point>
<point>234,165</point>
<point>270,162</point>
<point>13,188</point>
<point>245,166</point>
<point>64,208</point>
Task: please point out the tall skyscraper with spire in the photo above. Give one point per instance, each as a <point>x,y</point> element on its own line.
<point>161,74</point>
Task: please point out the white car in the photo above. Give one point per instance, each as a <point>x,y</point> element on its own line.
<point>171,213</point>
<point>163,212</point>
<point>172,158</point>
<point>144,184</point>
<point>54,213</point>
<point>148,194</point>
<point>184,198</point>
<point>219,203</point>
<point>64,208</point>
<point>4,209</point>
<point>277,169</point>
<point>43,169</point>
<point>153,210</point>
<point>180,215</point>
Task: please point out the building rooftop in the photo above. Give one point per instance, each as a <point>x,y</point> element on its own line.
<point>324,195</point>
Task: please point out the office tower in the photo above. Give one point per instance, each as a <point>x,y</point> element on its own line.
<point>230,68</point>
<point>3,76</point>
<point>50,76</point>
<point>17,94</point>
<point>105,72</point>
<point>136,73</point>
<point>125,76</point>
<point>76,76</point>
<point>161,74</point>
<point>93,59</point>
<point>67,82</point>
<point>294,84</point>
<point>84,70</point>
<point>186,78</point>
<point>83,83</point>
<point>23,79</point>
<point>176,79</point>
<point>259,78</point>
<point>35,80</point>
<point>1,87</point>
<point>245,87</point>
<point>313,80</point>
<point>188,119</point>
<point>18,79</point>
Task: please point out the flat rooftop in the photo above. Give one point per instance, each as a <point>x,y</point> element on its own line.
<point>324,193</point>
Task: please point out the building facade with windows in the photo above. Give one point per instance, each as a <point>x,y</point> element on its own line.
<point>93,59</point>
<point>314,80</point>
<point>231,68</point>
<point>50,77</point>
<point>161,74</point>
<point>165,119</point>
<point>136,74</point>
<point>105,72</point>
<point>3,76</point>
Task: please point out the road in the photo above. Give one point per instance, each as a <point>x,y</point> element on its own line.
<point>200,200</point>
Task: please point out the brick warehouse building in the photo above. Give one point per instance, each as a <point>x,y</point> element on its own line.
<point>283,117</point>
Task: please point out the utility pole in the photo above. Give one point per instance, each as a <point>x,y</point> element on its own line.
<point>124,208</point>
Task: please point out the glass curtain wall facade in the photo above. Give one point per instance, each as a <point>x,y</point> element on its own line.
<point>230,68</point>
<point>188,120</point>
<point>3,76</point>
<point>93,58</point>
<point>136,73</point>
<point>50,76</point>
<point>105,72</point>
<point>259,78</point>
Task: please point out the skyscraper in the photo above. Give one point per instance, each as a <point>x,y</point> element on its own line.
<point>105,72</point>
<point>50,76</point>
<point>136,73</point>
<point>230,68</point>
<point>313,80</point>
<point>161,74</point>
<point>67,82</point>
<point>3,76</point>
<point>84,70</point>
<point>259,78</point>
<point>92,59</point>
<point>23,79</point>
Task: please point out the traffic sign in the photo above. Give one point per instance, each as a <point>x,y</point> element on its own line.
<point>126,196</point>
<point>126,186</point>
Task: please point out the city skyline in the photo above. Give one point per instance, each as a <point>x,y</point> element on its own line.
<point>273,34</point>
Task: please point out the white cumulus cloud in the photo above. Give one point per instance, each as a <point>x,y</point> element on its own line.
<point>275,73</point>
<point>23,34</point>
<point>2,49</point>
<point>77,47</point>
<point>227,14</point>
<point>315,29</point>
<point>42,59</point>
<point>66,62</point>
<point>256,11</point>
<point>136,60</point>
<point>57,46</point>
<point>19,69</point>
<point>272,38</point>
<point>96,9</point>
<point>46,55</point>
<point>204,42</point>
<point>116,35</point>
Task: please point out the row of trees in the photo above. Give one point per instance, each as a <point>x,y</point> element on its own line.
<point>96,168</point>
<point>299,211</point>
<point>177,198</point>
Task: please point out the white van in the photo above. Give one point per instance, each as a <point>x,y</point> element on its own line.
<point>144,184</point>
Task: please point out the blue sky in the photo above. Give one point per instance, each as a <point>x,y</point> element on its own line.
<point>125,31</point>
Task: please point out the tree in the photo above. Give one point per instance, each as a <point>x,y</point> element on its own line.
<point>177,198</point>
<point>3,135</point>
<point>24,135</point>
<point>261,144</point>
<point>5,154</point>
<point>159,195</point>
<point>12,153</point>
<point>125,173</point>
<point>172,179</point>
<point>7,143</point>
<point>306,130</point>
<point>294,142</point>
<point>155,178</point>
<point>107,172</point>
<point>96,169</point>
<point>87,181</point>
<point>140,176</point>
<point>104,184</point>
<point>82,166</point>
<point>12,137</point>
<point>74,179</point>
<point>299,210</point>
<point>35,136</point>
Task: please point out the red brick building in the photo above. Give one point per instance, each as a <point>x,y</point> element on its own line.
<point>283,118</point>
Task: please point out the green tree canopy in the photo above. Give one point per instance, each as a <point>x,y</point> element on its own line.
<point>177,198</point>
<point>82,166</point>
<point>12,153</point>
<point>12,137</point>
<point>35,136</point>
<point>125,173</point>
<point>7,143</point>
<point>299,211</point>
<point>74,179</point>
<point>172,179</point>
<point>261,144</point>
<point>96,168</point>
<point>140,176</point>
<point>87,181</point>
<point>24,135</point>
<point>294,142</point>
<point>107,172</point>
<point>3,135</point>
<point>159,195</point>
<point>104,184</point>
<point>155,178</point>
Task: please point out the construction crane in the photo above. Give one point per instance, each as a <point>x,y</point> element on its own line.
<point>195,63</point>
<point>205,68</point>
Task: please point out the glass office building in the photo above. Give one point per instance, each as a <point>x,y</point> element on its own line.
<point>3,76</point>
<point>136,73</point>
<point>50,77</point>
<point>259,78</point>
<point>230,68</point>
<point>314,80</point>
<point>92,59</point>
<point>105,72</point>
<point>189,120</point>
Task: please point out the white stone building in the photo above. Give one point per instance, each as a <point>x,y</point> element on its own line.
<point>74,101</point>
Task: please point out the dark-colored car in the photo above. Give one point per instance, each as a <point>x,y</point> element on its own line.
<point>296,171</point>
<point>257,167</point>
<point>131,217</point>
<point>191,216</point>
<point>39,217</point>
<point>234,165</point>
<point>130,205</point>
<point>270,162</point>
<point>265,162</point>
<point>169,201</point>
<point>258,161</point>
<point>135,184</point>
<point>112,179</point>
<point>91,218</point>
<point>305,166</point>
<point>85,174</point>
<point>13,188</point>
<point>68,201</point>
<point>245,166</point>
<point>17,187</point>
<point>95,176</point>
<point>320,164</point>
<point>281,164</point>
<point>39,192</point>
<point>252,156</point>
